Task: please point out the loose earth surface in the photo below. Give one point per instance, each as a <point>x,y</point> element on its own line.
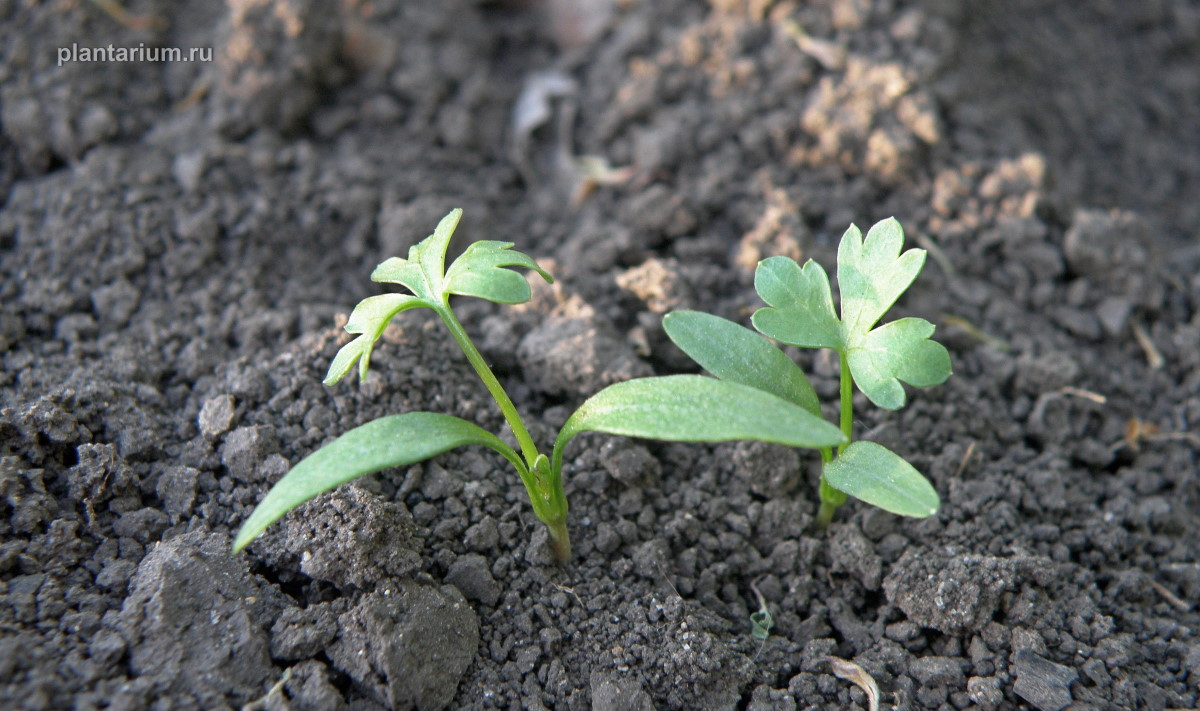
<point>180,243</point>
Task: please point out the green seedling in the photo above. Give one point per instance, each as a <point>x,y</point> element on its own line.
<point>872,274</point>
<point>761,620</point>
<point>682,408</point>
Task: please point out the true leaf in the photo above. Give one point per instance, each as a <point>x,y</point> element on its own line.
<point>735,353</point>
<point>800,310</point>
<point>872,473</point>
<point>369,319</point>
<point>480,272</point>
<point>872,274</point>
<point>695,408</point>
<point>900,350</point>
<point>393,441</point>
<point>423,272</point>
<point>345,359</point>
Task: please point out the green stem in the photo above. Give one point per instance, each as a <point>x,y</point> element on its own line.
<point>560,540</point>
<point>827,493</point>
<point>831,498</point>
<point>528,448</point>
<point>543,485</point>
<point>847,407</point>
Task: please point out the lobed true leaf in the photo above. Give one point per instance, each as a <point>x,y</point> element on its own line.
<point>423,272</point>
<point>800,304</point>
<point>480,272</point>
<point>898,351</point>
<point>369,319</point>
<point>872,274</point>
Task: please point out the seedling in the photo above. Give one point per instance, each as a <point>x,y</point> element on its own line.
<point>682,408</point>
<point>761,620</point>
<point>872,274</point>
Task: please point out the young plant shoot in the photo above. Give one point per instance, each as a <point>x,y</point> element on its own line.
<point>872,274</point>
<point>682,408</point>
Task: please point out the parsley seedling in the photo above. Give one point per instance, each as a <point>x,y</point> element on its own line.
<point>872,274</point>
<point>682,408</point>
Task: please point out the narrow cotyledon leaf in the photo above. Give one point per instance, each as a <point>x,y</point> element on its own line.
<point>695,408</point>
<point>735,353</point>
<point>873,473</point>
<point>393,441</point>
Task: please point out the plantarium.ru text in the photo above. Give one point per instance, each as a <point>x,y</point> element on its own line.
<point>681,408</point>
<point>872,274</point>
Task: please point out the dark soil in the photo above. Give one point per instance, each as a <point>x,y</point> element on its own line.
<point>180,242</point>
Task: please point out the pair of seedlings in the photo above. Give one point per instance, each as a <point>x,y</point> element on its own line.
<point>758,392</point>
